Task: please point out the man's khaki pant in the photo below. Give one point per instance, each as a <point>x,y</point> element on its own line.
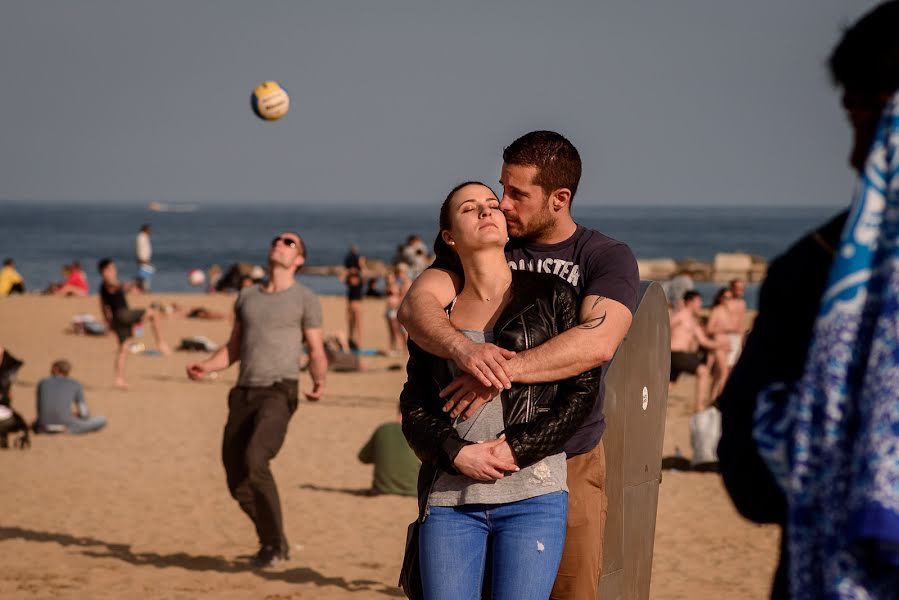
<point>581,567</point>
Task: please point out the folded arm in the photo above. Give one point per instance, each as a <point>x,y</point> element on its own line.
<point>591,344</point>
<point>422,314</point>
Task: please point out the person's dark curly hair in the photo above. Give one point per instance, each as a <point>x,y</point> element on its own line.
<point>866,59</point>
<point>556,159</point>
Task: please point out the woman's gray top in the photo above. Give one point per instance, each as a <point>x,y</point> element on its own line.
<point>543,477</point>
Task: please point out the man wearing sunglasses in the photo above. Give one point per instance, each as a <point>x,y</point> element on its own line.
<point>270,322</point>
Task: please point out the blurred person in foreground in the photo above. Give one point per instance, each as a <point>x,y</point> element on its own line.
<point>810,431</point>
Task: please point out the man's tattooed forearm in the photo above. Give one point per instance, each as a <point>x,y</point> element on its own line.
<point>597,301</point>
<point>594,322</point>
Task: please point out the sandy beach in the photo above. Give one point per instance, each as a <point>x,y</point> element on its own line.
<point>141,509</point>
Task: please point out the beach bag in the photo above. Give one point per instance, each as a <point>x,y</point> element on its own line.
<point>410,574</point>
<point>705,432</point>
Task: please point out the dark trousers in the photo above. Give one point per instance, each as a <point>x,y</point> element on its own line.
<point>254,433</point>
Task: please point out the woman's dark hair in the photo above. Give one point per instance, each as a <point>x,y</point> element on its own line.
<point>719,297</point>
<point>866,59</point>
<point>443,253</point>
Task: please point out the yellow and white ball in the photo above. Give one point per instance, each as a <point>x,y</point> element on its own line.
<point>270,101</point>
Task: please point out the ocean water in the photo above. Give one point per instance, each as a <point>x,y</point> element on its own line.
<point>43,237</point>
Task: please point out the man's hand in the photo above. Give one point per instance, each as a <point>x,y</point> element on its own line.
<point>467,394</point>
<point>197,371</point>
<point>316,394</point>
<point>478,461</point>
<point>486,362</point>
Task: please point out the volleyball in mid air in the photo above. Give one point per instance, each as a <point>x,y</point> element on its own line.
<point>196,277</point>
<point>270,101</point>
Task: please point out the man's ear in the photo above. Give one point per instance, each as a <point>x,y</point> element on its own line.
<point>560,198</point>
<point>299,262</point>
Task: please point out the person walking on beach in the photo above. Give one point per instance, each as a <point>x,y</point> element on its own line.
<point>271,321</point>
<point>121,319</point>
<point>57,396</point>
<point>143,252</point>
<point>822,554</point>
<point>499,490</point>
<point>540,175</point>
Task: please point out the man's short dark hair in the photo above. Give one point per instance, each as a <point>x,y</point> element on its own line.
<point>556,159</point>
<point>104,262</point>
<point>689,295</point>
<point>62,366</point>
<point>866,59</point>
<point>7,262</point>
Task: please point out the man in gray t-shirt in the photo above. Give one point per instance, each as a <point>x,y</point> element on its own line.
<point>270,323</point>
<point>57,395</point>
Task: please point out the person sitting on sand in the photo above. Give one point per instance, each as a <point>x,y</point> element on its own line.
<point>75,283</point>
<point>396,466</point>
<point>122,319</point>
<point>61,406</point>
<point>686,338</point>
<point>11,282</point>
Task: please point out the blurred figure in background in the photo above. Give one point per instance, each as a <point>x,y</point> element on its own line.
<point>61,406</point>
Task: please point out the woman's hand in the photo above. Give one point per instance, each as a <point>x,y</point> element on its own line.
<point>479,462</point>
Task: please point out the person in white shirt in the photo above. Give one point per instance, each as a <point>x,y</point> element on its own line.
<point>143,251</point>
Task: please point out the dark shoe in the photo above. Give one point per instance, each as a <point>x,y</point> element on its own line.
<point>269,556</point>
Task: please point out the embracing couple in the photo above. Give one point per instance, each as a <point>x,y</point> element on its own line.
<point>509,329</point>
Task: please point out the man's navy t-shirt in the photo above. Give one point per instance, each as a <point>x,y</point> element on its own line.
<point>594,264</point>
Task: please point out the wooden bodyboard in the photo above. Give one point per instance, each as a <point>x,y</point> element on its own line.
<point>635,405</point>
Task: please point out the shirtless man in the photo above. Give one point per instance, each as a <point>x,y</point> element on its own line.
<point>686,338</point>
<point>737,308</point>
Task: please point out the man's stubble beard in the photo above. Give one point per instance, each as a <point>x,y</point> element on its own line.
<point>542,223</point>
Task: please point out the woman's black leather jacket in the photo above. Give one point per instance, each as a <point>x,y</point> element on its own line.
<point>539,418</point>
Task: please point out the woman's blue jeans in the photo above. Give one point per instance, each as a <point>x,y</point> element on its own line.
<point>525,544</point>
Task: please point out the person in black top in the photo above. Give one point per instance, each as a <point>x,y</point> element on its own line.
<point>353,281</point>
<point>865,64</point>
<point>354,260</point>
<point>122,319</point>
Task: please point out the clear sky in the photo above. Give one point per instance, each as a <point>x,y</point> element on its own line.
<point>720,102</point>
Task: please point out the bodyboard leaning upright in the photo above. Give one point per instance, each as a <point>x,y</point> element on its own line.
<point>636,397</point>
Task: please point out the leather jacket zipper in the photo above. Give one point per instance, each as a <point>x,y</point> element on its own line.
<point>527,346</point>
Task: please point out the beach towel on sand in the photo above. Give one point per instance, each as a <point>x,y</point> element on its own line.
<point>832,438</point>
